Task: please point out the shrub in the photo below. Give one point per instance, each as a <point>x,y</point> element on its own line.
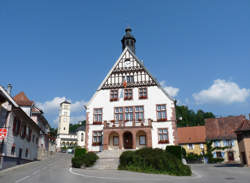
<point>194,158</point>
<point>153,161</point>
<point>216,160</point>
<point>80,152</point>
<point>76,162</point>
<point>89,159</point>
<point>176,151</point>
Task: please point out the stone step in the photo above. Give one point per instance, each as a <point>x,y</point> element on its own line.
<point>110,154</point>
<point>106,163</point>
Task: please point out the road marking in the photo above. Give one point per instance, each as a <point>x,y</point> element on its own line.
<point>196,176</point>
<point>36,172</point>
<point>22,179</point>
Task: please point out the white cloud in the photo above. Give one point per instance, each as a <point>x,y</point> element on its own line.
<point>173,92</point>
<point>51,109</point>
<point>221,91</point>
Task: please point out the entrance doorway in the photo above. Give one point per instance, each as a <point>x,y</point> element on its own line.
<point>243,156</point>
<point>230,156</point>
<point>128,140</point>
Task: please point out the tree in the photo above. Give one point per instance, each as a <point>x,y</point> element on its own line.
<point>187,117</point>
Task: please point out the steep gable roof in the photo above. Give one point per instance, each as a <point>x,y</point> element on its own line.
<point>119,70</point>
<point>22,100</point>
<point>195,134</point>
<point>223,128</point>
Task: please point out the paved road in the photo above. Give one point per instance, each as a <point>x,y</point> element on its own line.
<point>58,170</point>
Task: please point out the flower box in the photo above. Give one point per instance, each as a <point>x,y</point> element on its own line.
<point>163,142</point>
<point>127,98</point>
<point>96,143</point>
<point>97,123</point>
<point>113,99</point>
<point>160,120</point>
<point>143,97</point>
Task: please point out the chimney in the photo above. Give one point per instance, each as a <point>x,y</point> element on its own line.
<point>9,88</point>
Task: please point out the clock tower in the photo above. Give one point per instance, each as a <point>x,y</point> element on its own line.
<point>128,40</point>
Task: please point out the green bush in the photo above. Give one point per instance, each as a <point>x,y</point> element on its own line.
<point>194,158</point>
<point>176,151</point>
<point>80,152</point>
<point>216,160</point>
<point>153,161</point>
<point>89,159</point>
<point>76,162</point>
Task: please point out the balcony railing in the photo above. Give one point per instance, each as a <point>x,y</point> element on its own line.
<point>119,124</point>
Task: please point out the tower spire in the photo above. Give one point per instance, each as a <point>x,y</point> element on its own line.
<point>128,40</point>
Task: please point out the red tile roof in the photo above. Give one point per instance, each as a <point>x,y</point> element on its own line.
<point>223,128</point>
<point>22,100</point>
<point>245,126</point>
<point>195,134</point>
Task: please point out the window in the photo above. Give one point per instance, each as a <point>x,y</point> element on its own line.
<point>13,149</point>
<point>190,146</point>
<point>26,153</point>
<point>98,116</point>
<point>161,112</point>
<point>218,154</point>
<point>163,135</point>
<point>23,132</point>
<point>129,114</point>
<point>113,95</point>
<point>130,79</point>
<point>82,137</point>
<point>139,113</point>
<point>118,113</point>
<point>29,132</point>
<point>33,138</point>
<point>143,93</point>
<point>97,138</point>
<point>16,126</point>
<point>64,119</point>
<point>128,94</point>
<point>37,140</point>
<point>201,146</point>
<point>115,140</point>
<point>142,140</point>
<point>217,143</point>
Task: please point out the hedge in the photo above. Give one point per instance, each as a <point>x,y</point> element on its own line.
<point>177,151</point>
<point>82,158</point>
<point>150,160</point>
<point>194,158</point>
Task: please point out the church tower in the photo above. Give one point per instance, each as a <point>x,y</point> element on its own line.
<point>64,118</point>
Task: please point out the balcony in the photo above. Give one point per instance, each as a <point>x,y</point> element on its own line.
<point>122,124</point>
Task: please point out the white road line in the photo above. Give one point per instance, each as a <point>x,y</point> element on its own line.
<point>196,176</point>
<point>22,179</point>
<point>35,172</point>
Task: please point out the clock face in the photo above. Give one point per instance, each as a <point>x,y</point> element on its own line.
<point>128,63</point>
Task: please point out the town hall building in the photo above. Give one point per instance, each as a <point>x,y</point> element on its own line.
<point>130,109</point>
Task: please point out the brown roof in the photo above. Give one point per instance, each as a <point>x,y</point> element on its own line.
<point>195,134</point>
<point>22,100</point>
<point>245,126</point>
<point>223,128</point>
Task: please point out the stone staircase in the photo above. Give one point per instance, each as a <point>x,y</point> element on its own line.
<point>108,159</point>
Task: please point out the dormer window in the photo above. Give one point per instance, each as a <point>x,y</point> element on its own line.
<point>114,95</point>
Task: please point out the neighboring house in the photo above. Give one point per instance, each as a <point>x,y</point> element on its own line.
<point>221,131</point>
<point>64,138</point>
<point>80,132</point>
<point>130,109</point>
<point>37,115</point>
<point>193,139</point>
<point>21,144</point>
<point>243,137</point>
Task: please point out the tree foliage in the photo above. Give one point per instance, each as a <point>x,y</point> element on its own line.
<point>73,127</point>
<point>187,117</point>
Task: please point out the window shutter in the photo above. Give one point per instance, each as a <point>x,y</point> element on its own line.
<point>223,153</point>
<point>214,154</point>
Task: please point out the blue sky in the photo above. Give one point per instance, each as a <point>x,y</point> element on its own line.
<point>199,50</point>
